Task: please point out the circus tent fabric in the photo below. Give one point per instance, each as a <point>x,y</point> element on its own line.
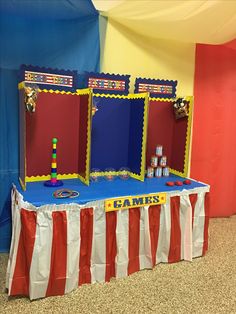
<point>142,38</point>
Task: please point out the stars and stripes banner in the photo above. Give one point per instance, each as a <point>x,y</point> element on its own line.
<point>55,249</point>
<point>49,78</point>
<point>105,83</point>
<point>157,88</point>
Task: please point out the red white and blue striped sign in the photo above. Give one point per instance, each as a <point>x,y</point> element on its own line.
<point>157,88</point>
<point>48,79</point>
<point>106,83</point>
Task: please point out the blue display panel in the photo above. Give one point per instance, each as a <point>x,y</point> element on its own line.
<point>119,133</point>
<point>110,133</point>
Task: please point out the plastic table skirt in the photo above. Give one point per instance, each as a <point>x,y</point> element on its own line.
<point>57,247</point>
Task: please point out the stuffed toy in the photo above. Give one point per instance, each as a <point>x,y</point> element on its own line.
<point>180,108</point>
<point>31,94</point>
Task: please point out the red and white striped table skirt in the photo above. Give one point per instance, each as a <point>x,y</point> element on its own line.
<point>56,248</point>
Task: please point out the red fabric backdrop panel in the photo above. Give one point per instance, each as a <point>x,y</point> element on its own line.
<point>214,127</point>
<point>56,115</point>
<point>164,129</point>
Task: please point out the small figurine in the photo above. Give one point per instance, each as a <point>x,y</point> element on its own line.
<point>180,108</point>
<point>31,94</point>
<point>94,109</point>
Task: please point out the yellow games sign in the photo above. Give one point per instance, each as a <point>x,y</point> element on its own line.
<point>134,201</point>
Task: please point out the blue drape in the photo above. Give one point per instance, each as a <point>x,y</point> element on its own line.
<point>60,34</point>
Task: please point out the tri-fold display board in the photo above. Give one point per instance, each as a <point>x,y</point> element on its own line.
<point>66,116</point>
<point>174,134</point>
<point>123,132</point>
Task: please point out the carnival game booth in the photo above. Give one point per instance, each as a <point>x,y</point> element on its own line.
<point>112,225</point>
<point>169,122</point>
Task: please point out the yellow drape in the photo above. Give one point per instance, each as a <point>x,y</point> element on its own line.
<point>198,21</point>
<point>126,52</point>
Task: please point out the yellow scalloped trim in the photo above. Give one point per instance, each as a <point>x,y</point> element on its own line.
<point>85,91</point>
<point>188,136</point>
<point>23,185</point>
<point>82,179</point>
<point>144,139</point>
<point>129,96</point>
<point>177,173</point>
<point>88,156</point>
<point>51,91</point>
<point>48,177</point>
<point>21,85</point>
<point>162,99</point>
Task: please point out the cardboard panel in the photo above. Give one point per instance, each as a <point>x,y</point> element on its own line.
<point>110,133</point>
<point>56,115</point>
<point>173,134</point>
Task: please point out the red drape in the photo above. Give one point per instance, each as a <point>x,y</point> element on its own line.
<point>214,128</point>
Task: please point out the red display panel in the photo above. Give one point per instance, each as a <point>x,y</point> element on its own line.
<point>165,130</point>
<point>56,115</point>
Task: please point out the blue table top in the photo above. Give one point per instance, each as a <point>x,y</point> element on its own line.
<point>37,194</point>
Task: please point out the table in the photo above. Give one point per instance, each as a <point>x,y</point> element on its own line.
<point>59,244</point>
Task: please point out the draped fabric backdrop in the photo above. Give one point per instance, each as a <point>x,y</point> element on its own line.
<point>157,39</point>
<point>214,128</point>
<point>57,34</point>
<point>152,39</point>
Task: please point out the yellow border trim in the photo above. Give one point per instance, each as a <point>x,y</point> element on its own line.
<point>23,185</point>
<point>129,96</point>
<point>21,85</point>
<point>188,136</point>
<point>162,99</point>
<point>48,177</point>
<point>88,150</point>
<point>85,91</point>
<point>144,140</point>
